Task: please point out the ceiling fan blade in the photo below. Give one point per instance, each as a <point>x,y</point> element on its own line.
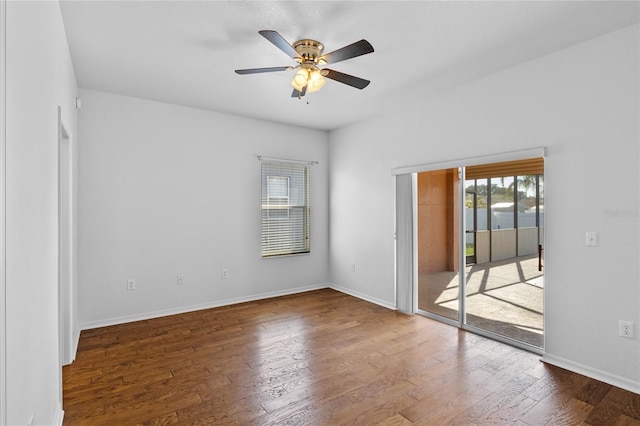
<point>297,94</point>
<point>279,41</point>
<point>260,70</point>
<point>353,50</point>
<point>357,82</point>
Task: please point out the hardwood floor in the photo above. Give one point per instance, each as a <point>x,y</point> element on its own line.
<point>322,358</point>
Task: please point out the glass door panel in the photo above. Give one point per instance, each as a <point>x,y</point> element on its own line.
<point>503,291</point>
<point>438,243</point>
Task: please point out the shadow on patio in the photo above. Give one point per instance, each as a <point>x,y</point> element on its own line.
<point>503,297</point>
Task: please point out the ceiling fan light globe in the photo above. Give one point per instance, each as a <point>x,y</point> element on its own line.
<point>315,75</point>
<point>297,86</point>
<point>315,85</point>
<point>300,79</point>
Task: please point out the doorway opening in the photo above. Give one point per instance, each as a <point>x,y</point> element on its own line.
<point>480,239</point>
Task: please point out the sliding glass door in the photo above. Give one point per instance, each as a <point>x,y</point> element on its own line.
<point>494,232</point>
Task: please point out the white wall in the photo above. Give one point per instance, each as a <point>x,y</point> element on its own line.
<point>40,77</point>
<point>167,190</point>
<point>582,103</point>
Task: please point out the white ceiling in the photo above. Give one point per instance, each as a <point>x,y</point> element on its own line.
<point>185,52</point>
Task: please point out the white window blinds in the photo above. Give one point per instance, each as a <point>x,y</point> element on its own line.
<point>285,208</point>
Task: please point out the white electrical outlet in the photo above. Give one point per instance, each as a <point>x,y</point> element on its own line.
<point>131,284</point>
<point>180,280</point>
<point>224,274</point>
<point>353,267</point>
<point>626,329</point>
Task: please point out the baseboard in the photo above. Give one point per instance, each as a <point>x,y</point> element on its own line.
<point>593,373</point>
<point>362,296</point>
<point>59,417</point>
<point>75,342</point>
<point>183,309</point>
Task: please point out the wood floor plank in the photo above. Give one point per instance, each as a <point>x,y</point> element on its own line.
<point>496,403</point>
<point>610,408</point>
<point>546,409</point>
<point>376,409</point>
<point>594,392</point>
<point>575,412</point>
<point>396,420</point>
<point>633,407</point>
<point>441,408</point>
<point>167,419</point>
<point>511,412</point>
<point>624,420</point>
<point>308,395</point>
<point>321,358</point>
<point>451,373</point>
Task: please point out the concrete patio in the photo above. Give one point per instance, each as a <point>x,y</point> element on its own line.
<point>503,297</point>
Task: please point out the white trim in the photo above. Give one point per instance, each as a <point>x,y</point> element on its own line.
<point>374,300</point>
<point>395,243</point>
<point>59,417</point>
<point>593,373</point>
<point>75,341</point>
<point>462,249</point>
<point>414,206</point>
<point>174,311</point>
<point>66,247</point>
<point>3,162</point>
<point>470,161</point>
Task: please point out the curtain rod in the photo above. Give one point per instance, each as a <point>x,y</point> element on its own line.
<point>286,160</point>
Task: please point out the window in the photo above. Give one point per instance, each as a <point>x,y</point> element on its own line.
<point>285,208</point>
<point>278,195</point>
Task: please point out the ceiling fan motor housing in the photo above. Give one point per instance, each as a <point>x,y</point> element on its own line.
<point>309,50</point>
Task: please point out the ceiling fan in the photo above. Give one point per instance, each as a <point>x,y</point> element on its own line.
<point>308,53</point>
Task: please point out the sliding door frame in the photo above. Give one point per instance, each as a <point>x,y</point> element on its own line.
<point>459,164</point>
<point>3,162</point>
